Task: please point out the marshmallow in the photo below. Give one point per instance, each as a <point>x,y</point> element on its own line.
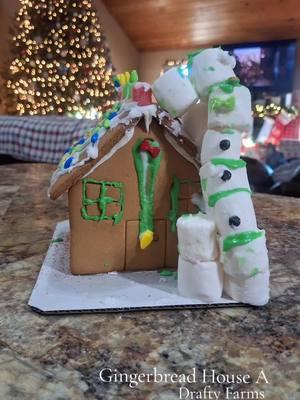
<point>201,280</point>
<point>222,175</point>
<point>245,254</point>
<point>174,92</point>
<point>230,110</point>
<point>197,238</point>
<point>209,67</point>
<point>234,214</point>
<point>224,144</point>
<point>253,290</point>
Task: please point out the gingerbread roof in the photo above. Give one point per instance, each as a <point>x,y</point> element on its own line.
<point>104,140</point>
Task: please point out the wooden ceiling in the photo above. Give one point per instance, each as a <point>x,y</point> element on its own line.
<point>182,24</point>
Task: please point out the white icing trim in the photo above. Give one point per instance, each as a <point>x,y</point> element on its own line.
<point>125,139</point>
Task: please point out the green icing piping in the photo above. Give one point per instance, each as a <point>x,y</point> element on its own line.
<point>240,239</point>
<point>146,183</point>
<point>226,86</point>
<point>174,194</point>
<point>221,106</point>
<point>166,272</point>
<point>255,271</point>
<point>191,56</point>
<point>214,198</point>
<point>58,240</point>
<point>228,131</point>
<point>204,184</point>
<point>102,201</point>
<point>174,212</point>
<point>229,163</point>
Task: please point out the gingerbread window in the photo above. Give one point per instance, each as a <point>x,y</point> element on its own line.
<point>102,200</point>
<point>181,194</point>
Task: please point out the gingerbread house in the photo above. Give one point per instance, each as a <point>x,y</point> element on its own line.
<point>128,180</point>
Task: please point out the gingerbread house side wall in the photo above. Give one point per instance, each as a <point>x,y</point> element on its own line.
<point>103,247</point>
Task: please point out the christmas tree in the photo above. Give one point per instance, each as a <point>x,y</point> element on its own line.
<point>60,60</point>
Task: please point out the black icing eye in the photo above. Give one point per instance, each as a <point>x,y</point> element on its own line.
<point>224,144</point>
<point>226,175</point>
<point>234,221</point>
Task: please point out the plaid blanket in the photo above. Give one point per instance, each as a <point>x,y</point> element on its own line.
<point>40,139</point>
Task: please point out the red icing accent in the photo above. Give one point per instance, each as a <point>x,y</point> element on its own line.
<point>146,146</point>
<point>141,96</point>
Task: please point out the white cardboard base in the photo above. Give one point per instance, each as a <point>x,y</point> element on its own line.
<point>58,291</point>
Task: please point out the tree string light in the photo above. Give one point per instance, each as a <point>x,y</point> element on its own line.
<point>61,63</point>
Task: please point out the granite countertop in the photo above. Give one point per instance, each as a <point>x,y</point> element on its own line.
<point>59,357</point>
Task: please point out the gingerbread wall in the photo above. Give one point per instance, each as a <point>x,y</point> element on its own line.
<point>102,246</point>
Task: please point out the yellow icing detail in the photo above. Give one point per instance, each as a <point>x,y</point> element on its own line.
<point>122,79</point>
<point>127,77</point>
<point>146,239</point>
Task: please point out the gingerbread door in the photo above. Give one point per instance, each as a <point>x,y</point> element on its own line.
<point>150,258</point>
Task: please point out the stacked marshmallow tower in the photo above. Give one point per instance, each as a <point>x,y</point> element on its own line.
<point>230,217</point>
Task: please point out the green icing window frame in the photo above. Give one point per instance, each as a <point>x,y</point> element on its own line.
<point>173,214</point>
<point>102,200</point>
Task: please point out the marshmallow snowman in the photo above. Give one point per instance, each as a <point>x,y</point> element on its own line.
<point>226,241</point>
<point>230,108</point>
<point>234,214</point>
<point>221,178</point>
<point>174,92</point>
<point>209,67</point>
<point>254,290</point>
<point>245,254</point>
<point>220,144</point>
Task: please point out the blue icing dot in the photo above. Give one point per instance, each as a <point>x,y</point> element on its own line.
<point>112,115</point>
<point>68,162</point>
<point>81,141</point>
<point>94,138</point>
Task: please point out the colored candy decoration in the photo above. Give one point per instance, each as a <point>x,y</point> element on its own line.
<point>124,83</point>
<point>94,138</point>
<point>68,162</point>
<point>112,115</point>
<point>142,94</point>
<point>106,123</point>
<point>80,141</point>
<point>147,168</point>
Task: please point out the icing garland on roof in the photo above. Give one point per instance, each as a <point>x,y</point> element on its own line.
<point>87,147</point>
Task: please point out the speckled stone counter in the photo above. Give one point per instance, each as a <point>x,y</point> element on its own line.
<point>59,357</point>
